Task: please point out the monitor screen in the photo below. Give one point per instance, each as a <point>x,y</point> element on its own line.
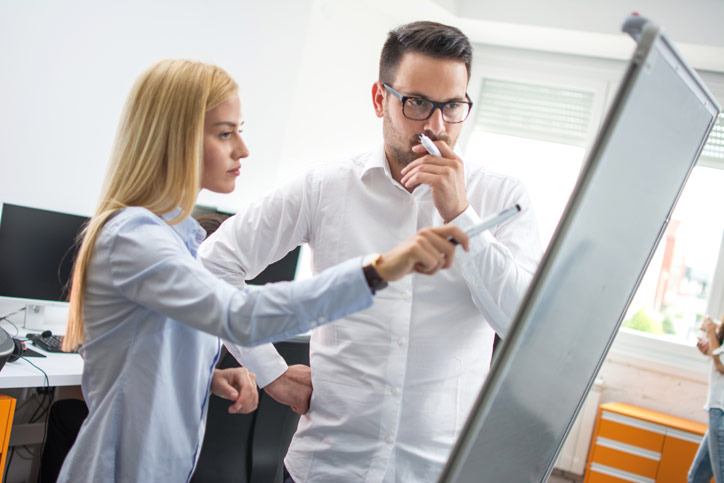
<point>285,269</point>
<point>37,249</point>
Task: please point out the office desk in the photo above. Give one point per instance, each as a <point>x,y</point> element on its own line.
<point>62,370</point>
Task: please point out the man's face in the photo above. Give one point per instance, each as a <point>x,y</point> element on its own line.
<point>419,75</point>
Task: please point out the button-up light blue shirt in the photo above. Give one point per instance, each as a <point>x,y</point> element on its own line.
<point>152,316</point>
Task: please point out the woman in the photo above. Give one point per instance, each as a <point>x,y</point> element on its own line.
<point>147,312</point>
<point>709,459</point>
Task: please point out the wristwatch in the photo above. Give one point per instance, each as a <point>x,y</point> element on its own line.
<point>374,281</point>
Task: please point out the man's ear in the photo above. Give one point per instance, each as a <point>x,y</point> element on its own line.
<point>378,98</point>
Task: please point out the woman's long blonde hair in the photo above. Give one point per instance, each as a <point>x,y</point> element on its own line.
<point>157,158</point>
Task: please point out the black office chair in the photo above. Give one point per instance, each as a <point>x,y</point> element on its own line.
<point>246,448</point>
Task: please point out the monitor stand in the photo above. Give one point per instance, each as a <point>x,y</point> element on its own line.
<point>34,317</point>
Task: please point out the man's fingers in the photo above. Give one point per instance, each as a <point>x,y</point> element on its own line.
<point>421,178</point>
<point>427,160</point>
<point>433,172</point>
<point>445,150</point>
<point>432,163</point>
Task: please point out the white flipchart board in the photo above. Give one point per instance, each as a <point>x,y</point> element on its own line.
<point>651,138</point>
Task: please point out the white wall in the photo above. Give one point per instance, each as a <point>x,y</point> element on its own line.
<point>675,394</point>
<point>68,66</point>
<point>333,115</point>
<point>695,22</point>
<point>305,68</point>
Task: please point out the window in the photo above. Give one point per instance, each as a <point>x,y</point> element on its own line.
<point>673,294</point>
<point>535,114</point>
<point>536,133</point>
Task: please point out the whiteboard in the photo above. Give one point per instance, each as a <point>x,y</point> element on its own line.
<point>651,138</point>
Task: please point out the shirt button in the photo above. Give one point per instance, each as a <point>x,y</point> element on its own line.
<point>313,323</point>
<point>405,296</point>
<point>400,342</point>
<point>388,440</point>
<point>322,319</point>
<point>394,391</point>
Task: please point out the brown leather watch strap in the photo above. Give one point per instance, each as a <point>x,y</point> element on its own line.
<point>374,281</point>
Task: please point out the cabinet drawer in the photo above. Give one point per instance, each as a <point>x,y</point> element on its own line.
<point>634,432</point>
<point>604,474</point>
<point>6,408</point>
<point>625,457</point>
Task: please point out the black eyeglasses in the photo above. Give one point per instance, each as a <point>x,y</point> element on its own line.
<point>420,109</point>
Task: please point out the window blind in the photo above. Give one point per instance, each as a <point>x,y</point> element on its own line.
<point>534,111</point>
<point>713,153</point>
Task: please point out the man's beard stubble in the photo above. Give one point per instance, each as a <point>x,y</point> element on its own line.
<point>399,150</point>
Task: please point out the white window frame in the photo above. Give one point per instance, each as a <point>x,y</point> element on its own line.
<point>556,70</point>
<point>602,76</point>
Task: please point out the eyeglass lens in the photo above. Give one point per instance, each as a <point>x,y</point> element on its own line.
<point>419,109</point>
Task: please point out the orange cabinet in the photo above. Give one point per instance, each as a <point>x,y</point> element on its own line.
<point>7,411</point>
<point>632,444</point>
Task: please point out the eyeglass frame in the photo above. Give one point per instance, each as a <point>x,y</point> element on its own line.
<point>435,105</point>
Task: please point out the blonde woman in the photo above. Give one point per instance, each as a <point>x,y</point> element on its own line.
<point>149,315</point>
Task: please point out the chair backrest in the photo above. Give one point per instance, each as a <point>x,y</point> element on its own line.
<point>249,447</point>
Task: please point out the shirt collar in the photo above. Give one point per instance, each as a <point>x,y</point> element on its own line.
<point>188,229</point>
<point>377,161</point>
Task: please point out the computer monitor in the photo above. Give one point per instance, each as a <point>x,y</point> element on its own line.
<point>284,269</point>
<point>37,250</point>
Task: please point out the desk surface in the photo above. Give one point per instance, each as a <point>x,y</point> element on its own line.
<point>63,370</point>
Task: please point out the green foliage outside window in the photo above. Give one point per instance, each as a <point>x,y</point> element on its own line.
<point>645,323</point>
<point>667,325</point>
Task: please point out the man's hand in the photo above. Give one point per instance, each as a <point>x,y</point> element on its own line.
<point>293,388</point>
<point>238,385</point>
<point>444,175</point>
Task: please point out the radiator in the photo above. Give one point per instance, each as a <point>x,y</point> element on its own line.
<point>572,458</point>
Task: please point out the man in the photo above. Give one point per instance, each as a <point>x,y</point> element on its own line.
<point>393,385</point>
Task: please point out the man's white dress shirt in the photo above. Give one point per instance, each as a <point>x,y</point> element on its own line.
<point>393,384</point>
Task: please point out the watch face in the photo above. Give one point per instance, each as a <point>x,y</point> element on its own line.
<point>368,259</point>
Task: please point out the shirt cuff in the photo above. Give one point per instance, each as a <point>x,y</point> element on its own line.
<point>262,360</point>
<point>467,220</point>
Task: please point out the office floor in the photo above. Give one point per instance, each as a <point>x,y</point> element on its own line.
<point>558,476</point>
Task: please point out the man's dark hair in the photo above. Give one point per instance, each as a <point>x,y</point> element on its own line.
<point>428,38</point>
